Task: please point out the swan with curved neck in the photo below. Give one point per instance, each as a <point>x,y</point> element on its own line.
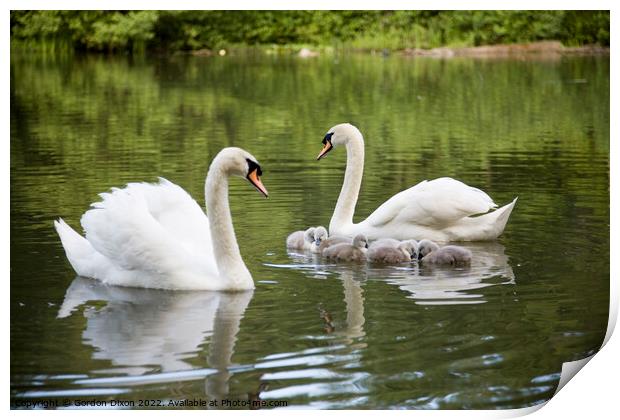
<point>157,236</point>
<point>440,209</point>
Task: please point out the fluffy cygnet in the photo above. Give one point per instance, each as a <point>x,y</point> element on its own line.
<point>355,251</point>
<point>410,247</point>
<point>431,253</point>
<point>389,242</point>
<point>425,247</point>
<point>301,239</point>
<point>325,241</point>
<point>320,235</point>
<point>385,252</point>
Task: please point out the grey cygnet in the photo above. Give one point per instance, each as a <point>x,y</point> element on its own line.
<point>301,239</point>
<point>385,252</point>
<point>355,251</point>
<point>431,253</point>
<point>324,241</point>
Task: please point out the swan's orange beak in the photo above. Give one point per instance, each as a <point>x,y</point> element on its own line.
<point>255,180</point>
<point>328,146</point>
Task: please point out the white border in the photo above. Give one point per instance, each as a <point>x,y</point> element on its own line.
<point>593,394</point>
<point>313,4</point>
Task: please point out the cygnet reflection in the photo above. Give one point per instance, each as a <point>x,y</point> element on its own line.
<point>442,285</point>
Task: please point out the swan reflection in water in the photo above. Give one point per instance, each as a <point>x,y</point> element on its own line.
<point>441,285</point>
<point>427,285</point>
<point>354,301</point>
<point>141,330</point>
<point>334,368</point>
<point>352,276</point>
<point>352,329</point>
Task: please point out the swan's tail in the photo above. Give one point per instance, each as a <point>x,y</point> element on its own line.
<point>486,227</point>
<point>499,218</point>
<point>79,251</point>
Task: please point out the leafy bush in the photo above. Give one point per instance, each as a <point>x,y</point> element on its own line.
<point>190,30</point>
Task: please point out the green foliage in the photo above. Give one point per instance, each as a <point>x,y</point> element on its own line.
<point>120,30</point>
<point>96,30</point>
<point>586,27</point>
<point>484,27</point>
<point>191,30</point>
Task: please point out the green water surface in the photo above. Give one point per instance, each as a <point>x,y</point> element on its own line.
<point>491,336</point>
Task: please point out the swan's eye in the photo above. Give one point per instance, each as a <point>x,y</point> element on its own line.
<point>327,138</point>
<point>253,166</point>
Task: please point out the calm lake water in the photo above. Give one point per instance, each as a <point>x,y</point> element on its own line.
<point>492,336</point>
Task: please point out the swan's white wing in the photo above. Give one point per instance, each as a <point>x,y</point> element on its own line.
<point>435,203</point>
<point>150,227</point>
<point>178,213</point>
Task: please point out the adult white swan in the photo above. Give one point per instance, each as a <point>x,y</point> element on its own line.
<point>440,210</point>
<point>157,236</point>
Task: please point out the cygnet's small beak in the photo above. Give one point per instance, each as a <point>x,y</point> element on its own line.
<point>326,148</point>
<point>255,180</point>
<point>317,242</point>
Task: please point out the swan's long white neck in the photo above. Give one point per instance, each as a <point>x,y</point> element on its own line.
<point>231,267</point>
<point>345,207</point>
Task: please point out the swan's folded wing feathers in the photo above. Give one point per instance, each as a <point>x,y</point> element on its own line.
<point>178,213</point>
<point>446,200</point>
<point>124,227</point>
<point>389,210</point>
<point>483,197</point>
<point>436,203</point>
<point>121,228</point>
